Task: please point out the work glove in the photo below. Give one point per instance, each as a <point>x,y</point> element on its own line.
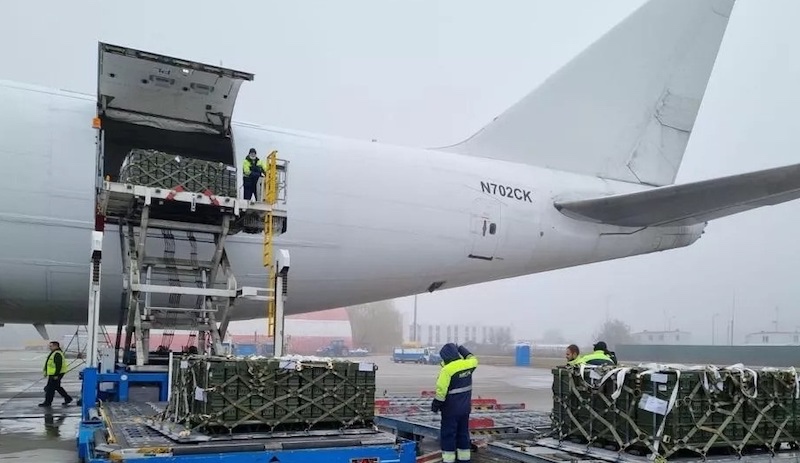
<point>463,351</point>
<point>436,405</point>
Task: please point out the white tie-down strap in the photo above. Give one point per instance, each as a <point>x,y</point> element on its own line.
<point>739,368</point>
<point>671,403</point>
<point>796,383</point>
<point>620,373</point>
<point>593,375</point>
<point>715,384</point>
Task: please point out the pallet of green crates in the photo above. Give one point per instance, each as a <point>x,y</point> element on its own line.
<point>677,410</point>
<point>217,394</point>
<point>158,169</point>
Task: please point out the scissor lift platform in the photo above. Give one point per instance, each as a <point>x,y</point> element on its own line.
<point>176,208</point>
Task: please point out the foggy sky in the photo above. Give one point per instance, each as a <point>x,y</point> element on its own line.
<point>423,73</point>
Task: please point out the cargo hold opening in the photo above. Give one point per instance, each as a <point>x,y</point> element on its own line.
<point>172,105</point>
<point>119,138</point>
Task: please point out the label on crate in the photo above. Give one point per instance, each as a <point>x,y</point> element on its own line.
<point>199,394</point>
<point>659,378</point>
<point>366,366</point>
<point>288,365</point>
<point>653,404</point>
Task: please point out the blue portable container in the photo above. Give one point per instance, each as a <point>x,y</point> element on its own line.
<point>523,355</point>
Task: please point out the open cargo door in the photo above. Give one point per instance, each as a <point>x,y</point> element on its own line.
<point>174,94</point>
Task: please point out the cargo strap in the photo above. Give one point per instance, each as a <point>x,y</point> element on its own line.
<point>172,192</point>
<point>714,407</point>
<point>211,197</point>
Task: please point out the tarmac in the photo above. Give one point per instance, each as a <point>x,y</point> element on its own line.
<point>29,433</point>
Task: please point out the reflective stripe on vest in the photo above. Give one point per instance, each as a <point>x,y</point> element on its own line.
<point>459,390</point>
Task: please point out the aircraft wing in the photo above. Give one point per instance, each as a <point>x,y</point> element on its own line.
<point>690,203</point>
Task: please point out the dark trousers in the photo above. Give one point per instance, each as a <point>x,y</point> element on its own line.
<point>54,385</point>
<point>454,436</point>
<point>250,185</point>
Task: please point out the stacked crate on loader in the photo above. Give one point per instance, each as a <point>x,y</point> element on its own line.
<point>158,169</point>
<point>217,394</point>
<point>673,410</point>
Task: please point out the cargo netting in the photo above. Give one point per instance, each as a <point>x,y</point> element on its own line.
<point>231,395</point>
<point>158,169</point>
<point>676,410</point>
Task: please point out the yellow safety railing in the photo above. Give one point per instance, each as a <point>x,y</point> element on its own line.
<point>270,197</point>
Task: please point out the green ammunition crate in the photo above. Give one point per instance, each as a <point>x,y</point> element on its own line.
<point>714,410</point>
<point>163,170</point>
<point>215,394</point>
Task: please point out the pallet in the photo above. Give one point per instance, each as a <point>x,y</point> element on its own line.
<point>126,432</point>
<point>484,425</point>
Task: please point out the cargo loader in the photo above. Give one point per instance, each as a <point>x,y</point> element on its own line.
<point>167,187</point>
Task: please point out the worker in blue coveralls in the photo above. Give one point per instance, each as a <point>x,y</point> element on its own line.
<point>454,399</point>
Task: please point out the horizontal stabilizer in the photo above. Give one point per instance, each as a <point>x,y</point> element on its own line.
<point>690,203</point>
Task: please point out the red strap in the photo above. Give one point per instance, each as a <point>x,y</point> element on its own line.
<point>211,196</point>
<point>171,195</point>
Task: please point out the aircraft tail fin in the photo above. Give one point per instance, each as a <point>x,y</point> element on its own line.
<point>624,108</point>
<point>690,203</point>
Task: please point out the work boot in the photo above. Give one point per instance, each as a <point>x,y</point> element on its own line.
<point>67,401</point>
<point>45,405</point>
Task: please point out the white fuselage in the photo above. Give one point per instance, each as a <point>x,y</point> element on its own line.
<point>366,221</point>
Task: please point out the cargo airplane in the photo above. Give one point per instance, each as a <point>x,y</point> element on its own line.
<point>581,170</point>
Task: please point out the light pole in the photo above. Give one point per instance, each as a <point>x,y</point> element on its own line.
<point>415,318</point>
<point>776,319</point>
<point>714,328</point>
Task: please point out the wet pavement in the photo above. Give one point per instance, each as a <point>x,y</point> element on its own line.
<point>29,433</point>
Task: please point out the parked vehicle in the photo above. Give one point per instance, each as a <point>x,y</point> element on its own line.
<point>423,355</point>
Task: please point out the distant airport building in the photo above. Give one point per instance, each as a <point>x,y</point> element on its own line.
<point>674,337</point>
<point>773,338</point>
<point>304,334</point>
<point>308,332</point>
<point>437,335</point>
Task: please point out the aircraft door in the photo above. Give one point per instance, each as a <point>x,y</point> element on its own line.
<point>484,228</point>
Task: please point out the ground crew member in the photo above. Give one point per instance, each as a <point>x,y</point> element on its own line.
<point>55,367</point>
<point>598,357</point>
<point>573,355</point>
<point>601,345</point>
<point>454,399</point>
<point>252,170</point>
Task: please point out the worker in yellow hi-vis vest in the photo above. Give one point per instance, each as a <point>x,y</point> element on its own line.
<point>252,170</point>
<point>55,367</point>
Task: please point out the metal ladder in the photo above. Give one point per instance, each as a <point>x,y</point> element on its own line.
<point>163,287</point>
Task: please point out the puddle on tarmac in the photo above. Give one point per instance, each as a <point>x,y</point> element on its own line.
<point>41,455</point>
<point>49,438</point>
